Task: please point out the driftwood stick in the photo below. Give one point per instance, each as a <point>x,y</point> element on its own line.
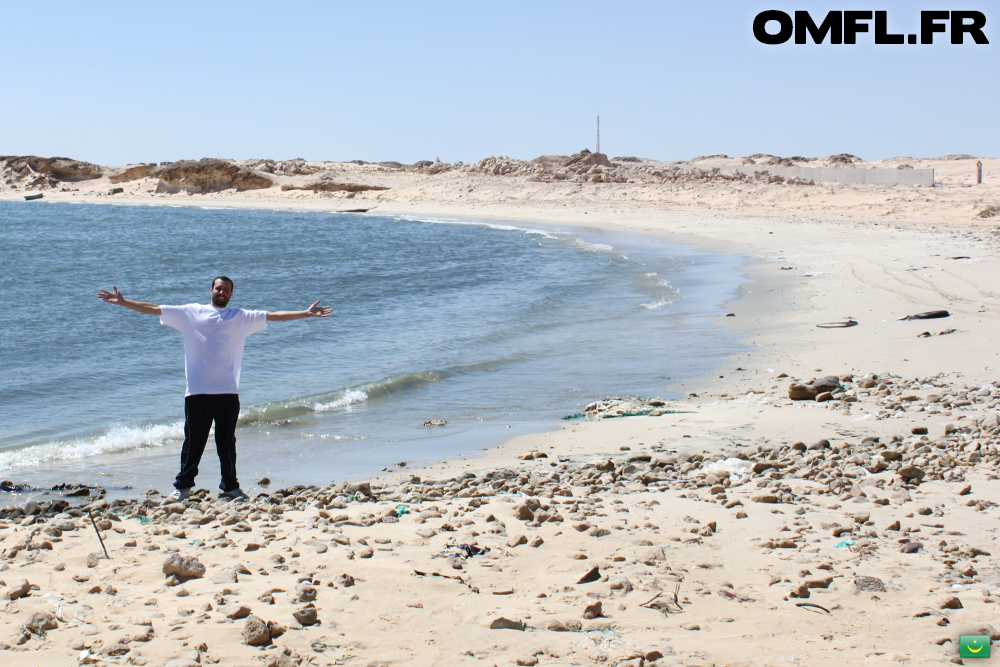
<point>677,596</point>
<point>94,523</point>
<point>650,599</point>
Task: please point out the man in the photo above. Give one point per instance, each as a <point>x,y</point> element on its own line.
<point>213,354</point>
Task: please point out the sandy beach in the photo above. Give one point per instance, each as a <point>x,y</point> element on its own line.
<point>827,496</point>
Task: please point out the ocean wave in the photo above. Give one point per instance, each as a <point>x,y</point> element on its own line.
<point>477,223</point>
<point>592,247</point>
<point>116,439</point>
<point>339,398</point>
<point>672,295</point>
<point>348,399</point>
<point>586,246</point>
<point>121,438</point>
<point>659,303</point>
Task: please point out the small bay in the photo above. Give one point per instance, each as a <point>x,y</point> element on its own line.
<point>495,328</point>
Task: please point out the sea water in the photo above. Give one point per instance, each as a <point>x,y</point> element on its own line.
<point>494,328</point>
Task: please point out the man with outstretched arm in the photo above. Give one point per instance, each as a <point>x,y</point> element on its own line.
<point>213,354</point>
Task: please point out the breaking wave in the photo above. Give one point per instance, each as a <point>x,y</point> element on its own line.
<point>116,439</point>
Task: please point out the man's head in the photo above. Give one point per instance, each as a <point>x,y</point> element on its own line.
<point>222,291</point>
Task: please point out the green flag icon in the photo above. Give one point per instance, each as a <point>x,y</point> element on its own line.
<point>974,646</point>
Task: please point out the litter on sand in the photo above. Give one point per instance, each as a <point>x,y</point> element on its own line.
<point>735,596</point>
<point>731,466</point>
<point>838,325</point>
<point>643,413</point>
<point>844,543</point>
<point>929,315</point>
<point>810,605</point>
<point>445,576</point>
<point>468,550</point>
<point>928,334</point>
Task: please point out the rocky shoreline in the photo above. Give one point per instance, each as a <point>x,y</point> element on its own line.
<point>637,533</point>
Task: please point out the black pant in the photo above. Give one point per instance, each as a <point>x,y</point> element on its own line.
<point>200,410</point>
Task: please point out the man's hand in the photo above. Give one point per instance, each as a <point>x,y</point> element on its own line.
<point>312,311</point>
<point>118,299</point>
<point>315,310</point>
<point>111,297</point>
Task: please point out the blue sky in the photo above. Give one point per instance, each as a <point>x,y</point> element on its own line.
<point>140,82</point>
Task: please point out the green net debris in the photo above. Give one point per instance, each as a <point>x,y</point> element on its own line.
<point>643,413</point>
<point>636,413</point>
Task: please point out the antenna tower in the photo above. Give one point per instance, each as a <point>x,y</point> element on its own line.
<point>598,133</point>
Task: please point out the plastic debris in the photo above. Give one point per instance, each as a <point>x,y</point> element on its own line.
<point>928,334</point>
<point>727,467</point>
<point>929,315</point>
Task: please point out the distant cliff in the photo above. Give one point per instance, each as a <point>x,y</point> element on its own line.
<point>31,171</point>
<point>205,175</point>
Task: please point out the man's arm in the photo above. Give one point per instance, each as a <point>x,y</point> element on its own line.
<point>312,311</point>
<point>117,299</point>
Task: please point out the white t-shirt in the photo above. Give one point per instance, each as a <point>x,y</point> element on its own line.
<point>213,344</point>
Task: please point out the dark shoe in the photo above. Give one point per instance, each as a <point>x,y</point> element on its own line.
<point>234,494</point>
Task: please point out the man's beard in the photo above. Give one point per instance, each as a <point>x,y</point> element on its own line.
<point>220,301</point>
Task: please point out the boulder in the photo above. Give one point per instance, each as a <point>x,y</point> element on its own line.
<point>236,611</point>
<point>305,593</point>
<point>506,624</point>
<point>585,157</point>
<point>255,632</point>
<point>227,576</point>
<point>650,554</point>
<point>19,590</point>
<point>523,512</point>
<point>911,473</point>
<point>563,625</point>
<point>42,620</point>
<point>275,629</point>
<point>809,391</point>
<point>183,567</point>
<point>517,541</point>
<point>359,487</point>
<point>306,616</point>
<point>801,392</point>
